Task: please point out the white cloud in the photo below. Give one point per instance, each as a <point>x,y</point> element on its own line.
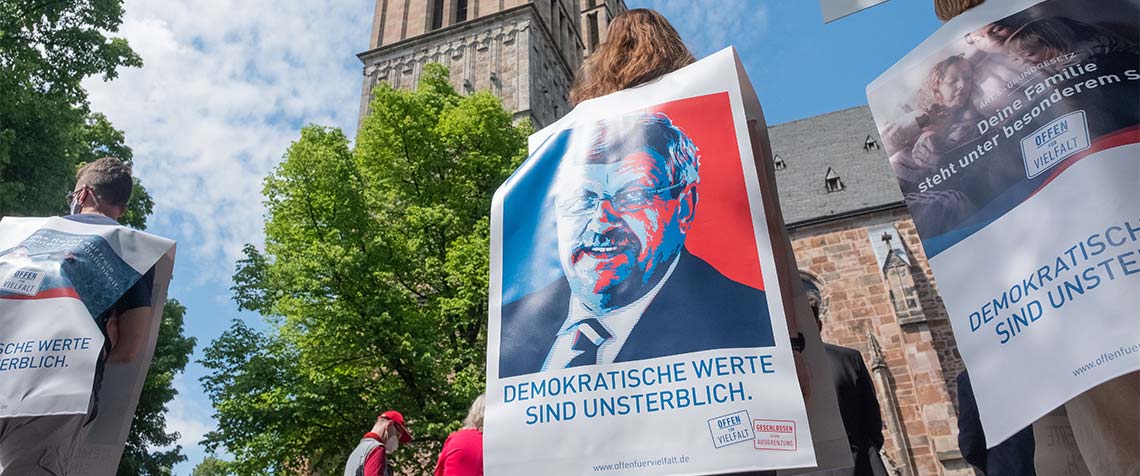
<point>707,27</point>
<point>225,87</point>
<point>187,417</point>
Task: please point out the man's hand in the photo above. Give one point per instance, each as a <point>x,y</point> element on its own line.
<point>128,334</point>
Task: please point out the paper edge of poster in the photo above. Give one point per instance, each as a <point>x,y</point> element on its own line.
<point>831,11</point>
<point>664,94</point>
<point>164,274</point>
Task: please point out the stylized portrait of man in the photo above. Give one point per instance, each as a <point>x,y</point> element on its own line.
<point>632,291</point>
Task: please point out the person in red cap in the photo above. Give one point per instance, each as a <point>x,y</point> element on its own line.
<point>370,458</point>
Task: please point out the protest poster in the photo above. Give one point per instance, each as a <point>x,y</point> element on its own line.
<point>56,276</point>
<point>637,322</point>
<point>1013,133</point>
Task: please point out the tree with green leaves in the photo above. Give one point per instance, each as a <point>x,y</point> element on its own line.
<point>47,48</point>
<point>374,279</point>
<point>47,131</point>
<point>212,466</point>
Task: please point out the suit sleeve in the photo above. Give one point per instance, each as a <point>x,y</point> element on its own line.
<point>374,462</point>
<point>873,417</point>
<point>971,439</point>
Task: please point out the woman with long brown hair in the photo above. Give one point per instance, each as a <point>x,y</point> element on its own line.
<point>641,46</point>
<point>947,9</point>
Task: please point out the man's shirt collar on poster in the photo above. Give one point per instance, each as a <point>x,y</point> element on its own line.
<point>618,322</point>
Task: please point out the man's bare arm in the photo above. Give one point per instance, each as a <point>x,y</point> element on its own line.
<point>132,330</point>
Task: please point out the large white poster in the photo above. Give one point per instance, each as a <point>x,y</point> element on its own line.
<point>56,276</point>
<point>637,325</point>
<point>1014,134</point>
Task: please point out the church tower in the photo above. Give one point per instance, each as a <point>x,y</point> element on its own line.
<point>523,51</point>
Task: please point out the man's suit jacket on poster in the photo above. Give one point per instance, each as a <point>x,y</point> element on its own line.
<point>696,309</point>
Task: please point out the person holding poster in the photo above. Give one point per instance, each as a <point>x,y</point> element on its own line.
<point>44,444</point>
<point>1029,216</point>
<point>102,190</point>
<point>637,325</point>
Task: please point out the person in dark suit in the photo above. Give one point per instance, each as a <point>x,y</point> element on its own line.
<point>859,409</point>
<point>1012,457</point>
<point>632,291</point>
<point>858,405</point>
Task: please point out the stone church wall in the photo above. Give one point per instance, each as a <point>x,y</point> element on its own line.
<point>920,353</point>
<point>504,54</point>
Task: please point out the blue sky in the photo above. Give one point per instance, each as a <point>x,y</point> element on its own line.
<point>228,84</point>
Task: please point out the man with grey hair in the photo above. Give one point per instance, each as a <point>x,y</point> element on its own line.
<point>623,209</point>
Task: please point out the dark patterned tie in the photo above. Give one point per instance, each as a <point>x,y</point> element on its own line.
<point>590,336</point>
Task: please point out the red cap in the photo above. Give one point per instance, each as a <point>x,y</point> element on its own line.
<point>395,417</point>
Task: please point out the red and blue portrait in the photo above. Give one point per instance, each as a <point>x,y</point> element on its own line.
<point>631,237</point>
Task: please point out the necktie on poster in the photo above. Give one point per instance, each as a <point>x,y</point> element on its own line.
<point>665,240</point>
<point>1014,132</point>
<point>591,335</point>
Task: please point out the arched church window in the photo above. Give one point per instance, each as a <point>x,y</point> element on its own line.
<point>593,32</point>
<point>903,295</point>
<point>436,14</point>
<point>460,10</point>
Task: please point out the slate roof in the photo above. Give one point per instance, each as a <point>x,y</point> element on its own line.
<point>836,140</point>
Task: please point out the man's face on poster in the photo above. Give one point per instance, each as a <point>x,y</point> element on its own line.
<point>1030,52</point>
<point>623,213</point>
<point>990,38</point>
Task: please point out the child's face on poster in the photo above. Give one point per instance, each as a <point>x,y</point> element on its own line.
<point>955,87</point>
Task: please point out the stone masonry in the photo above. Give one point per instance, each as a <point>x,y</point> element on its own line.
<point>524,52</point>
<point>921,356</point>
<point>871,285</point>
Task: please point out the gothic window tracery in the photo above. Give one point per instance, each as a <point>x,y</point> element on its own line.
<point>903,294</point>
<point>897,273</point>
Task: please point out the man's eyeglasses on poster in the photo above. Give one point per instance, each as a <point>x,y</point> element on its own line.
<point>587,202</point>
